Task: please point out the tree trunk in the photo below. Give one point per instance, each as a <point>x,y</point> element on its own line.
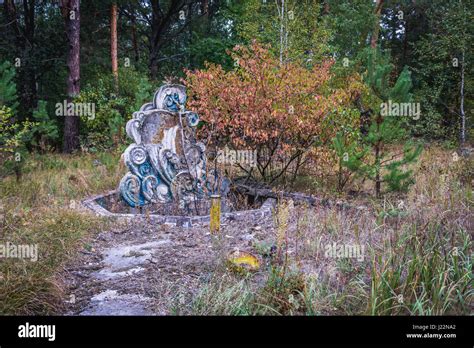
<point>282,29</point>
<point>31,84</point>
<point>326,8</point>
<point>373,45</point>
<point>134,38</point>
<point>71,13</point>
<point>155,33</point>
<point>25,50</point>
<point>162,21</point>
<point>378,157</point>
<point>113,42</point>
<point>375,34</point>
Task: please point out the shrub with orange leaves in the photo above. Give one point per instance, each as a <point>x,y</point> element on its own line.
<point>277,110</point>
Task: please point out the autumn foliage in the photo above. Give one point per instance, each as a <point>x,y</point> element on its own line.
<point>278,110</point>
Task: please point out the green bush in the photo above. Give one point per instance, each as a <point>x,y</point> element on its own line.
<point>12,142</point>
<point>45,131</point>
<point>8,94</point>
<point>112,107</point>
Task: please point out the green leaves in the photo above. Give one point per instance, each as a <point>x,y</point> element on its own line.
<point>400,92</point>
<point>437,66</point>
<point>112,108</point>
<point>44,130</point>
<point>379,75</point>
<point>12,141</point>
<point>350,154</point>
<point>8,96</point>
<point>299,34</point>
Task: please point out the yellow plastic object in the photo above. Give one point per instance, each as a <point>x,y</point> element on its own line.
<point>215,222</point>
<point>243,261</point>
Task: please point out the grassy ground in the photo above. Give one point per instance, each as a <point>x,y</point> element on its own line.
<point>418,255</point>
<point>418,247</point>
<point>40,209</point>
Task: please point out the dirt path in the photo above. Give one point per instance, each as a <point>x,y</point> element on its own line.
<point>137,269</point>
<point>142,268</point>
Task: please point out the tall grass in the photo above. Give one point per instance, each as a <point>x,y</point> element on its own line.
<point>422,275</point>
<point>418,246</point>
<point>41,209</point>
<point>418,258</point>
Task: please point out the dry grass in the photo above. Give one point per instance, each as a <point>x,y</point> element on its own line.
<point>417,255</point>
<point>417,246</point>
<point>41,210</point>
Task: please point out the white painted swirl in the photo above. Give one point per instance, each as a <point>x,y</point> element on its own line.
<point>138,155</point>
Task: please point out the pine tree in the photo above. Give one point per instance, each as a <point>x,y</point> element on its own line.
<point>350,157</point>
<point>8,96</point>
<point>387,129</point>
<point>45,130</point>
<point>381,166</point>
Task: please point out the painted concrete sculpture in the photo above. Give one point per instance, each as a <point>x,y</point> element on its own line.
<point>166,163</point>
